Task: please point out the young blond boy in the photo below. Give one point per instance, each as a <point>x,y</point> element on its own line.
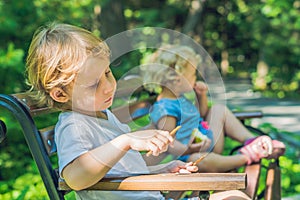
<point>68,67</point>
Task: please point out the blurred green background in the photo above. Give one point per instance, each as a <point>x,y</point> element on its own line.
<point>256,40</point>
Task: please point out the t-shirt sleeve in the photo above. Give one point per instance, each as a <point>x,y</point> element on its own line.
<point>164,108</point>
<point>72,140</point>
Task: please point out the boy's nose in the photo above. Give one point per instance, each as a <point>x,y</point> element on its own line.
<point>109,87</point>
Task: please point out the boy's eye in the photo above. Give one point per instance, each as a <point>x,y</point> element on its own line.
<point>107,72</point>
<point>96,84</point>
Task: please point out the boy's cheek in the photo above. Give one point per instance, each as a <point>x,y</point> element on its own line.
<point>84,102</point>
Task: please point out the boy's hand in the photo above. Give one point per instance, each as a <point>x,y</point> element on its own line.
<point>156,141</point>
<point>174,166</point>
<point>182,167</point>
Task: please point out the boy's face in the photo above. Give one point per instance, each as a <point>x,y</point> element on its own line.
<point>94,86</point>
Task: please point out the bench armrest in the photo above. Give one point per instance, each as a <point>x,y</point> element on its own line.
<point>171,182</point>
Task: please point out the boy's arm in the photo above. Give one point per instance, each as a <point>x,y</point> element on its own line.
<point>92,166</point>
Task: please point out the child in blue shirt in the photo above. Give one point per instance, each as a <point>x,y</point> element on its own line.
<point>172,71</point>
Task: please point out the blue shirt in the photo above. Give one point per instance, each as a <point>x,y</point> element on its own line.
<point>186,113</point>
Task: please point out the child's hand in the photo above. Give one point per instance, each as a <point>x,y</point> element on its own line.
<point>204,144</point>
<point>200,88</point>
<point>156,141</point>
<point>199,146</point>
<point>182,167</point>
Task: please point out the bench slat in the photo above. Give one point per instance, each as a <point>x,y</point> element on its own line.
<point>242,115</point>
<point>34,110</point>
<point>171,182</point>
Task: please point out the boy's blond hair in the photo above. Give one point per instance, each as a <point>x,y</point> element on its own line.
<point>165,64</point>
<point>56,54</point>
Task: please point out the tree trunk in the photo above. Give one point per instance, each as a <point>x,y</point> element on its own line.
<point>110,21</point>
<point>262,70</point>
<point>111,18</point>
<point>194,15</point>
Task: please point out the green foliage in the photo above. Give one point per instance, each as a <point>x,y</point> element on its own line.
<point>282,18</point>
<point>18,180</point>
<point>11,69</point>
<point>249,31</point>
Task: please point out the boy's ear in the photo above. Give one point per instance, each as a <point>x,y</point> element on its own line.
<point>59,95</point>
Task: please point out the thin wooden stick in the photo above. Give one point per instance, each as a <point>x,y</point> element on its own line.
<point>172,133</point>
<point>199,159</point>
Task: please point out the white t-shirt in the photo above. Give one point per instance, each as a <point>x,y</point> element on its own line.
<point>76,134</point>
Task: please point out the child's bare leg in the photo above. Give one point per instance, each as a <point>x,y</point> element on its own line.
<point>222,121</point>
<point>218,163</point>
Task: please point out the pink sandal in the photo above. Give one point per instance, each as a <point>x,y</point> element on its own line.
<point>257,148</point>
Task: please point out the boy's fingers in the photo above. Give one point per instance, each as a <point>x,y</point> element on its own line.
<point>152,149</point>
<point>192,168</point>
<point>163,139</point>
<point>158,143</point>
<point>160,140</point>
<point>189,164</point>
<point>167,135</point>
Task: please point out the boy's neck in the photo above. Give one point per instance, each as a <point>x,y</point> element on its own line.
<point>97,114</point>
<point>102,115</point>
